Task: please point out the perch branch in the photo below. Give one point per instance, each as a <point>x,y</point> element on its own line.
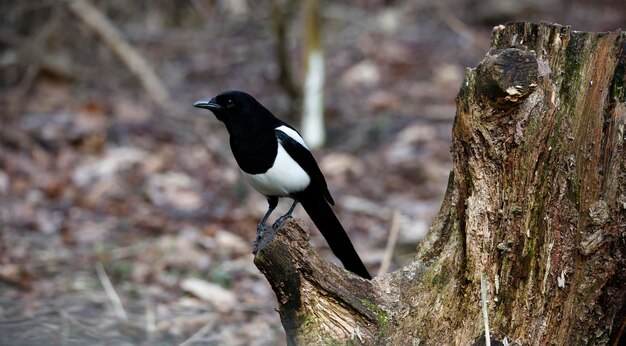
<point>332,302</point>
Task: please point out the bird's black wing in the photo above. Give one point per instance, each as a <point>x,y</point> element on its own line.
<point>305,159</point>
<point>315,199</point>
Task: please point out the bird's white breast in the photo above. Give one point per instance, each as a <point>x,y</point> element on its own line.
<point>282,179</point>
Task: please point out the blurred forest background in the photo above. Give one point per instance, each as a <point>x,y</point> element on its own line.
<point>123,219</point>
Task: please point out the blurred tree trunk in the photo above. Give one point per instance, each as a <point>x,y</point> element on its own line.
<point>536,204</point>
<point>281,11</point>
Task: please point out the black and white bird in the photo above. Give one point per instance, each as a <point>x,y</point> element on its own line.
<point>274,159</point>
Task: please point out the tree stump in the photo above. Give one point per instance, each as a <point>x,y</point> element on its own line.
<point>535,205</point>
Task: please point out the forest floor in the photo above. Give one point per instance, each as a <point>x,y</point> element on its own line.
<point>123,222</point>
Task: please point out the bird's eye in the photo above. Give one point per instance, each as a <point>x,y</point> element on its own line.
<point>230,103</point>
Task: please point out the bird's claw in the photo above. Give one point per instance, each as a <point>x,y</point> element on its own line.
<point>264,235</point>
<point>259,235</point>
<point>279,222</point>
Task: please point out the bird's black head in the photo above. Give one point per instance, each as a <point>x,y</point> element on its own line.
<point>229,106</point>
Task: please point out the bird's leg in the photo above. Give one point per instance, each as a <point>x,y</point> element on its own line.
<point>273,202</point>
<point>287,215</point>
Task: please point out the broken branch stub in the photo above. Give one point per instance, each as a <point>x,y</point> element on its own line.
<point>507,75</point>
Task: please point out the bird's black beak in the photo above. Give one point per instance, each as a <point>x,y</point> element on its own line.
<point>209,104</point>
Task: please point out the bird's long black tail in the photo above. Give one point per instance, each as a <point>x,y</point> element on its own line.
<point>324,218</point>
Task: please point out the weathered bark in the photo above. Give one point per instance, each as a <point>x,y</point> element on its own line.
<point>536,203</point>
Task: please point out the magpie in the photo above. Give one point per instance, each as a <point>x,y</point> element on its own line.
<point>274,159</point>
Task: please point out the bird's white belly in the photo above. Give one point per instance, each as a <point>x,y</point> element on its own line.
<point>282,179</point>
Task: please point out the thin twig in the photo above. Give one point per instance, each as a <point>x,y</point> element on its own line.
<point>483,298</point>
<point>391,243</point>
<point>198,335</point>
<point>111,293</point>
<point>102,26</point>
<point>150,322</point>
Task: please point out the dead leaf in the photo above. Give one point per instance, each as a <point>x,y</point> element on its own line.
<point>219,297</point>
